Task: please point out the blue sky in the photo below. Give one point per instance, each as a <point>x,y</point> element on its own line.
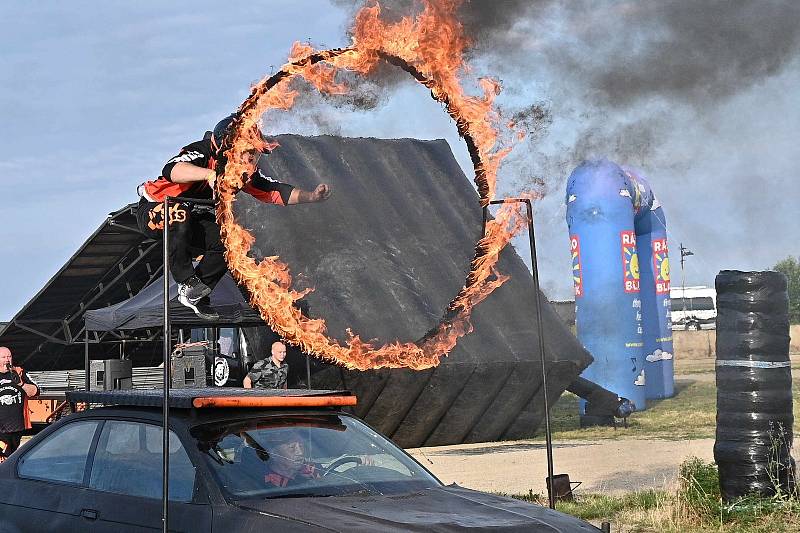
<point>95,96</point>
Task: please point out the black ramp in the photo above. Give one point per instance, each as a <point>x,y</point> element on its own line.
<point>434,402</point>
<point>507,403</point>
<point>385,255</point>
<point>371,385</point>
<point>533,413</point>
<point>466,410</point>
<point>398,396</point>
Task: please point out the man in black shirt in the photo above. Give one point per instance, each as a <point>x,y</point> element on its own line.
<point>15,389</point>
<point>194,230</point>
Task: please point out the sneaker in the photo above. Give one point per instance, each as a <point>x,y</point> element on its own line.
<point>194,295</point>
<point>202,308</point>
<point>193,289</point>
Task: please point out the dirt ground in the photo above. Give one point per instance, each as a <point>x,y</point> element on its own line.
<point>601,466</point>
<point>610,466</point>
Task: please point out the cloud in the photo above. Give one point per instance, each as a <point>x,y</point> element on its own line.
<point>658,355</point>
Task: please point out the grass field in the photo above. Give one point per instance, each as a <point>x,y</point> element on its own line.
<point>690,414</point>
<point>695,506</point>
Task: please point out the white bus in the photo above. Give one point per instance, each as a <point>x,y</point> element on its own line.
<point>693,308</point>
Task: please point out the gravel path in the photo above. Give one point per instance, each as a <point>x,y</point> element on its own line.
<point>602,466</point>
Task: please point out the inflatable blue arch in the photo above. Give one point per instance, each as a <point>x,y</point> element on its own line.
<point>620,265</point>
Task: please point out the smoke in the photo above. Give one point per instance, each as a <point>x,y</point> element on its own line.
<point>700,95</point>
<point>617,69</point>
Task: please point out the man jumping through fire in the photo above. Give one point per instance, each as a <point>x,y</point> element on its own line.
<point>194,230</point>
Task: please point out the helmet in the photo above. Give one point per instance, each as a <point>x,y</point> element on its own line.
<point>224,128</point>
<point>221,132</point>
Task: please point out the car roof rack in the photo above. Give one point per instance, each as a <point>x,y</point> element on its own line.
<point>216,397</point>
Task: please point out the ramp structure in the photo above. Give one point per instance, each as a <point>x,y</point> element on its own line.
<point>385,254</point>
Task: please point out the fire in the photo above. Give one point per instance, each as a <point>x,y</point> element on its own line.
<point>429,47</point>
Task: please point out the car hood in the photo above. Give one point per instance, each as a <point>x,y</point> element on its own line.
<point>450,508</point>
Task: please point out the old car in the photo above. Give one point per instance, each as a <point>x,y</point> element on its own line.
<point>239,460</point>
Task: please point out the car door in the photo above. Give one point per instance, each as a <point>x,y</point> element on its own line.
<point>125,482</point>
<point>48,490</point>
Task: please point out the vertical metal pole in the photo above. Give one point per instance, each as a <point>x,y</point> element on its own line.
<point>308,371</point>
<point>167,353</point>
<point>683,283</point>
<point>86,363</point>
<point>540,330</point>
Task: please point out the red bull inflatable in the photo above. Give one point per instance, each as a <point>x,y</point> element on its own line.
<point>620,265</point>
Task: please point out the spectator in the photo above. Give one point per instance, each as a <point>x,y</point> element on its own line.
<point>269,373</point>
<point>15,389</point>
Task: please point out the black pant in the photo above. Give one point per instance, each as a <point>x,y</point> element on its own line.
<point>11,441</point>
<point>193,231</point>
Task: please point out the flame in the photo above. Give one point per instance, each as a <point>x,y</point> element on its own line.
<point>430,47</point>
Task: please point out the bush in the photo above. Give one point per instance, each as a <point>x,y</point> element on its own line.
<point>790,267</point>
<point>699,494</point>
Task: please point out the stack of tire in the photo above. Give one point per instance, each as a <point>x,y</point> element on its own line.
<point>754,385</point>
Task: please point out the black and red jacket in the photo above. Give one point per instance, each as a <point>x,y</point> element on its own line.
<point>202,154</point>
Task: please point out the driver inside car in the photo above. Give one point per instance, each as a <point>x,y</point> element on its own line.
<point>287,464</point>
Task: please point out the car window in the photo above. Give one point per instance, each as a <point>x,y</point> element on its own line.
<point>284,455</point>
<point>704,303</point>
<point>62,455</point>
<point>128,461</point>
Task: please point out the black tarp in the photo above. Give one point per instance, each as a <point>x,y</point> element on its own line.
<point>146,309</point>
<point>385,254</point>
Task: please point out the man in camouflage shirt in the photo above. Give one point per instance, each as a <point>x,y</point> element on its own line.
<point>269,373</point>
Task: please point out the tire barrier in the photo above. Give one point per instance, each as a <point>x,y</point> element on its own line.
<point>754,385</point>
<point>621,276</point>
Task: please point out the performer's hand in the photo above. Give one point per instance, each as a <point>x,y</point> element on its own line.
<point>321,193</point>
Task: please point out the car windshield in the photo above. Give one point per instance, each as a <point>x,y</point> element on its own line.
<point>294,456</point>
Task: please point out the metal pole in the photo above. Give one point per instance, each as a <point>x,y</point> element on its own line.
<point>540,331</point>
<point>86,364</point>
<point>167,353</point>
<point>683,282</point>
<point>540,328</point>
<point>308,371</point>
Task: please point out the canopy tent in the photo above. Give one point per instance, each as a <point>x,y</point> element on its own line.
<point>146,309</point>
<point>114,263</point>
